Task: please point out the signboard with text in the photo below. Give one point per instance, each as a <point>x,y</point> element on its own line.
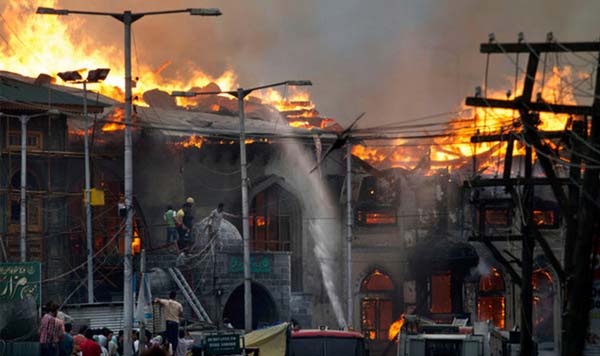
<point>19,281</point>
<point>258,264</point>
<point>223,344</point>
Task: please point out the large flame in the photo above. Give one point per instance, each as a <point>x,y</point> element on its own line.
<point>50,44</point>
<point>450,146</point>
<point>53,44</point>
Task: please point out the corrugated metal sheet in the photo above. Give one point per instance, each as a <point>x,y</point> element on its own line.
<point>97,316</point>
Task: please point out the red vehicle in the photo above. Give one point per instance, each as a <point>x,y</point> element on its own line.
<point>327,343</point>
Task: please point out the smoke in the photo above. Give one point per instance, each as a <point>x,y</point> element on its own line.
<point>481,270</point>
<point>394,59</point>
<point>320,215</point>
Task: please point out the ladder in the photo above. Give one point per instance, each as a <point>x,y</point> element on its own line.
<point>189,295</point>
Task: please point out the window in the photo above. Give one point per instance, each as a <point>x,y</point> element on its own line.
<point>441,293</point>
<point>545,218</point>
<point>376,307</point>
<point>497,217</point>
<point>270,227</point>
<point>490,301</point>
<point>378,216</point>
<point>34,140</point>
<point>34,213</point>
<point>276,225</point>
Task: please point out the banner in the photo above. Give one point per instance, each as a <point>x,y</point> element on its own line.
<point>143,311</point>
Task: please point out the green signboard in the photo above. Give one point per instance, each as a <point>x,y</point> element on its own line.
<point>223,344</point>
<point>20,281</point>
<point>258,264</point>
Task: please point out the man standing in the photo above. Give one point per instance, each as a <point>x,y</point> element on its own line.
<point>169,218</point>
<point>173,311</point>
<point>51,331</point>
<point>216,218</point>
<point>185,220</point>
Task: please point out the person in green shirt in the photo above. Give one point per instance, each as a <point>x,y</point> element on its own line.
<point>169,218</point>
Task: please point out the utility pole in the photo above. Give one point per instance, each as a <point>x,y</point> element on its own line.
<point>127,20</point>
<point>349,232</point>
<point>94,76</point>
<point>245,223</point>
<point>143,290</point>
<point>580,217</point>
<point>88,203</point>
<point>23,203</point>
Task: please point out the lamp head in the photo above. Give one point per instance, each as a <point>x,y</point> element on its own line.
<point>298,83</point>
<point>50,11</point>
<point>97,75</point>
<point>204,12</point>
<point>187,94</point>
<point>70,76</point>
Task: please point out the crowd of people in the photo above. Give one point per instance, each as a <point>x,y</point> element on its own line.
<point>57,337</point>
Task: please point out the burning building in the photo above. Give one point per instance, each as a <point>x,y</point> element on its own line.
<point>416,227</point>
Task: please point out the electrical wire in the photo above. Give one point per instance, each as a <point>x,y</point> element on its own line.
<point>85,263</point>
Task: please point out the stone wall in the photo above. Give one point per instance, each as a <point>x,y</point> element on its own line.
<point>214,280</point>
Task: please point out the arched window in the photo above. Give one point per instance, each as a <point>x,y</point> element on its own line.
<point>270,220</point>
<point>276,224</point>
<point>543,306</point>
<point>490,302</point>
<point>376,306</point>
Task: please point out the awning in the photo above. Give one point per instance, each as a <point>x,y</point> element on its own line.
<point>270,341</point>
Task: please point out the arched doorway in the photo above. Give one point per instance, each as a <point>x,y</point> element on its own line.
<point>543,306</point>
<point>264,310</point>
<point>490,299</point>
<point>376,306</point>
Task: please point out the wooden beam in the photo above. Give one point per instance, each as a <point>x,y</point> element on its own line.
<point>540,47</point>
<point>495,238</point>
<point>503,261</point>
<point>541,241</point>
<point>507,136</point>
<point>532,106</point>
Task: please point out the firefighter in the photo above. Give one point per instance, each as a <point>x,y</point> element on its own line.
<point>215,218</point>
<point>184,220</point>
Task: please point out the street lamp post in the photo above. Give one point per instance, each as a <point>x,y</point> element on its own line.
<point>240,94</point>
<point>128,18</point>
<point>94,76</point>
<point>24,119</point>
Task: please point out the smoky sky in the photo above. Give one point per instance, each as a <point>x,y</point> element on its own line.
<point>394,59</point>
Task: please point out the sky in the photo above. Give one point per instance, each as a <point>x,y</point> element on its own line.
<point>394,59</point>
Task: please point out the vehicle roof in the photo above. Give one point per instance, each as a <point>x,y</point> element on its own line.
<point>326,333</point>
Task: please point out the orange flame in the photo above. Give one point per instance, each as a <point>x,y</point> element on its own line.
<point>192,141</point>
<point>395,328</point>
<point>117,115</point>
<point>450,146</point>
